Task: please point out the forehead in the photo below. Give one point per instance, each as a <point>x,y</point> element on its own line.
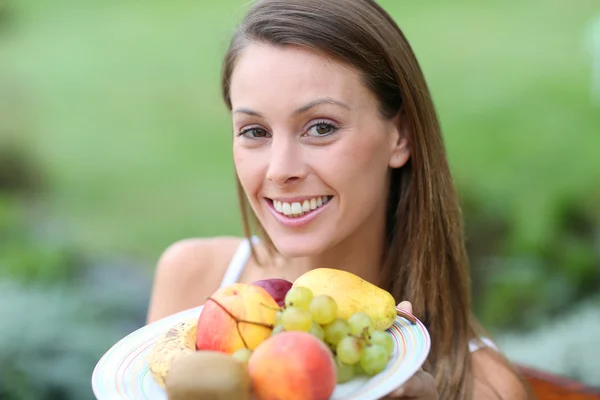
<point>290,76</point>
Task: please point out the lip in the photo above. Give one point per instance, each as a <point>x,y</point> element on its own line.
<point>296,221</point>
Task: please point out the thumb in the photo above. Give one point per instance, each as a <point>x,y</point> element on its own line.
<point>405,306</point>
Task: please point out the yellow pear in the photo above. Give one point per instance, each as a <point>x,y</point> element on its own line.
<point>352,294</point>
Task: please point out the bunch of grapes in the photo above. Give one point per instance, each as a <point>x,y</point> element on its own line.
<point>356,346</point>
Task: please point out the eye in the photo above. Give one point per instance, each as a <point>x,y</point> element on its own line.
<point>322,128</point>
<point>254,133</point>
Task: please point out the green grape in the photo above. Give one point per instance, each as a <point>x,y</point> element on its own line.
<point>349,350</point>
<point>278,317</point>
<point>323,309</point>
<point>242,355</point>
<point>360,323</point>
<point>384,339</point>
<point>298,296</point>
<point>331,348</point>
<point>296,319</point>
<point>358,369</point>
<point>336,330</point>
<point>344,372</point>
<point>318,331</point>
<point>277,329</point>
<point>374,359</point>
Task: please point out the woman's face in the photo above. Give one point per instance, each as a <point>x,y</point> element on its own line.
<point>311,149</point>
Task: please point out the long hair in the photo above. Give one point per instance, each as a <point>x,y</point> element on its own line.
<point>425,260</point>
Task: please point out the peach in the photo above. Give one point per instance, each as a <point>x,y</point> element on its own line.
<point>292,365</point>
<point>235,317</point>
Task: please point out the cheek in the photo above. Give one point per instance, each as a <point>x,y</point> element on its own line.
<point>358,173</point>
<point>247,168</point>
<point>362,162</point>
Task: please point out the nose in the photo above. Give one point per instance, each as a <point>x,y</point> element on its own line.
<point>286,164</point>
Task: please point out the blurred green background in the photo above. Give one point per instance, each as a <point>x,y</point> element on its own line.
<point>114,143</point>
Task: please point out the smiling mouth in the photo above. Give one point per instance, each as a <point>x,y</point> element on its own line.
<point>299,209</point>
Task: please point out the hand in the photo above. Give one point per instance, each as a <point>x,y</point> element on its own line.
<point>422,384</point>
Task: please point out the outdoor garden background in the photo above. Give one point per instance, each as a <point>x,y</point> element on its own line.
<point>114,143</point>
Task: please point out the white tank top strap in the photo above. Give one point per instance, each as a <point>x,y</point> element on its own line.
<point>483,342</point>
<point>238,262</point>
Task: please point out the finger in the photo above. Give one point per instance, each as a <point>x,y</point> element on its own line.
<point>406,306</point>
<point>404,310</point>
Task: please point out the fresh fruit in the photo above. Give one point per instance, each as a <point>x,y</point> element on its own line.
<point>323,309</point>
<point>349,350</point>
<point>242,319</point>
<point>335,331</point>
<point>344,372</point>
<point>299,297</point>
<point>318,331</point>
<point>384,339</point>
<point>292,366</point>
<point>360,324</point>
<point>296,319</point>
<point>242,355</point>
<point>235,317</point>
<point>277,329</point>
<point>278,315</point>
<point>351,341</point>
<point>208,375</point>
<point>276,287</point>
<point>358,369</point>
<point>178,341</point>
<point>352,294</point>
<point>374,359</point>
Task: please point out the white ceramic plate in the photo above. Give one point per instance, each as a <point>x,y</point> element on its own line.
<point>122,373</point>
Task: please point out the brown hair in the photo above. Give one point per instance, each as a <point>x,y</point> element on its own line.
<point>426,261</point>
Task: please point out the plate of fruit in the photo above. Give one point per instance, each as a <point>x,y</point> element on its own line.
<point>328,335</point>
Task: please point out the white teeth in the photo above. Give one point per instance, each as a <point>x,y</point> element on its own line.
<point>286,208</point>
<point>306,206</point>
<point>298,209</point>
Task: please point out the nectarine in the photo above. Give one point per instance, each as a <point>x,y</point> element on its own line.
<point>292,365</point>
<point>235,317</point>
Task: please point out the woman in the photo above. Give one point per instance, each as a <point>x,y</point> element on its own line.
<point>340,163</point>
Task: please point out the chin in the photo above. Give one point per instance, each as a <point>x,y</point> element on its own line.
<point>295,246</point>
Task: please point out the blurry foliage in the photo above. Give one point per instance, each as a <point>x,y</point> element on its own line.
<point>26,255</point>
<point>52,336</point>
<point>17,170</point>
<point>28,252</point>
<point>516,286</point>
<point>60,309</point>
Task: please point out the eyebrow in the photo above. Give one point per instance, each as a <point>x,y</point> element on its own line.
<point>300,110</point>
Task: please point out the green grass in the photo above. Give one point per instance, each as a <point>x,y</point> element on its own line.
<point>122,102</point>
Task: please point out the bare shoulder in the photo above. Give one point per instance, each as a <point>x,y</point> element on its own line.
<point>187,272</point>
<point>496,378</point>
